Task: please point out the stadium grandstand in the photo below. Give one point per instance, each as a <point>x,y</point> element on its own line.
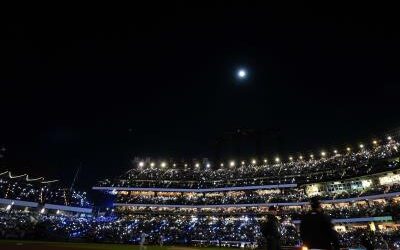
<point>197,204</point>
<point>40,194</point>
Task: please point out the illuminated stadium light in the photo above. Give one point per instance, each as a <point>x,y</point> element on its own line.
<point>389,138</point>
<point>197,165</point>
<point>221,164</point>
<point>361,145</point>
<point>348,149</point>
<point>253,161</point>
<point>323,154</point>
<point>163,164</point>
<point>208,165</point>
<point>277,159</point>
<point>152,164</point>
<point>290,158</point>
<point>335,151</point>
<point>141,164</point>
<point>375,142</point>
<point>174,165</point>
<point>301,157</point>
<point>232,163</point>
<point>242,162</point>
<point>265,160</point>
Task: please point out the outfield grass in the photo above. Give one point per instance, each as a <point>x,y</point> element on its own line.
<point>36,245</point>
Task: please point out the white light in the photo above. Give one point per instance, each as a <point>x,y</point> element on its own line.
<point>311,156</point>
<point>301,157</point>
<point>290,158</point>
<point>242,162</point>
<point>208,165</point>
<point>375,142</point>
<point>42,211</point>
<point>323,154</point>
<point>277,159</point>
<point>361,145</point>
<point>152,164</point>
<point>335,151</point>
<point>232,163</point>
<point>197,165</point>
<point>8,208</point>
<point>348,149</point>
<point>221,164</point>
<point>253,161</point>
<point>58,211</point>
<point>174,165</point>
<point>265,160</point>
<point>163,164</point>
<point>185,164</point>
<point>141,164</point>
<point>389,138</point>
<point>242,73</point>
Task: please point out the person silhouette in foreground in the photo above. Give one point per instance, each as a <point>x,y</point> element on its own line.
<point>270,230</point>
<point>316,229</point>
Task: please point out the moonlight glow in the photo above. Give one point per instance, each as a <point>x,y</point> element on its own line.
<point>242,73</point>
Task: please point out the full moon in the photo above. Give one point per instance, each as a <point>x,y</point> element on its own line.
<point>242,73</point>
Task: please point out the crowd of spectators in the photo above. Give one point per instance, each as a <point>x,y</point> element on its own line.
<point>21,188</point>
<point>376,158</point>
<point>171,229</point>
<point>245,197</point>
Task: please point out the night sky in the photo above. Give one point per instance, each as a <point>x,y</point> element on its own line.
<point>97,88</point>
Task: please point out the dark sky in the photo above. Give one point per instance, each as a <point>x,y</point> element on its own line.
<point>98,88</point>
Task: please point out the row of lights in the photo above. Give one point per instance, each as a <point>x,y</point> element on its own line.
<point>254,161</point>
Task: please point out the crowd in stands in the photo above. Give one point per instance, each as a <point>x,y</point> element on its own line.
<point>376,158</point>
<point>171,229</point>
<point>246,197</point>
<point>21,188</point>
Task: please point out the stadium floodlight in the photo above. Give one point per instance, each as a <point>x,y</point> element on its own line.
<point>163,164</point>
<point>375,142</point>
<point>197,165</point>
<point>152,164</point>
<point>301,157</point>
<point>265,160</point>
<point>323,154</point>
<point>348,149</point>
<point>208,165</point>
<point>335,151</point>
<point>277,160</point>
<point>361,145</point>
<point>174,165</point>
<point>253,161</point>
<point>290,158</point>
<point>141,164</point>
<point>232,163</point>
<point>389,138</point>
<point>221,164</point>
<point>242,162</point>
